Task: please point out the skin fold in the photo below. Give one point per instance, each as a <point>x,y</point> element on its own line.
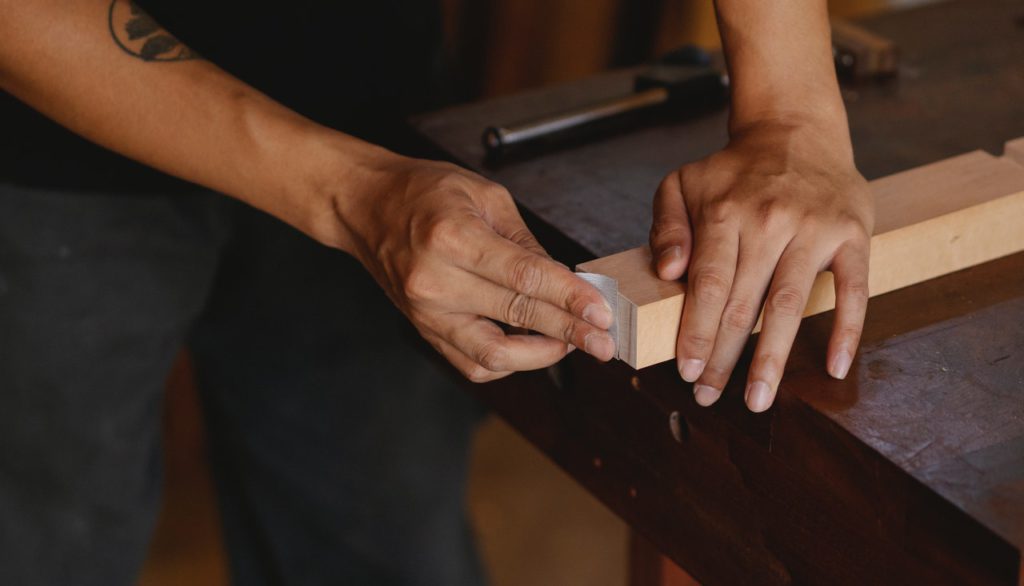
<point>753,222</point>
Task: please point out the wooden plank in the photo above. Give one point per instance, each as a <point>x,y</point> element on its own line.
<point>1015,150</point>
<point>931,221</point>
<point>648,567</point>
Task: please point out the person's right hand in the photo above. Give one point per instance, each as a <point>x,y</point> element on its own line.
<point>446,245</point>
<point>452,252</point>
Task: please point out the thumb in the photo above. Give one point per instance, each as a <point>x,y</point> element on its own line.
<point>671,237</point>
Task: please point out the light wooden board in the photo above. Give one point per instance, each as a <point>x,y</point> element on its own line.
<point>930,221</point>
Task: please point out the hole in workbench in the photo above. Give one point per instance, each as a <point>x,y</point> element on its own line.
<point>677,425</point>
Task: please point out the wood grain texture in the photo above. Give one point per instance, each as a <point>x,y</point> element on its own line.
<point>932,220</point>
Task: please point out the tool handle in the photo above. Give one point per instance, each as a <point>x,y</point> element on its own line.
<point>661,84</point>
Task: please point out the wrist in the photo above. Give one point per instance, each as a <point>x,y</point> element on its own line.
<point>779,145</point>
<point>345,176</point>
<point>315,179</point>
<point>789,129</point>
<point>825,114</point>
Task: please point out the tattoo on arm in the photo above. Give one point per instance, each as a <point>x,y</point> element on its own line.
<point>137,34</point>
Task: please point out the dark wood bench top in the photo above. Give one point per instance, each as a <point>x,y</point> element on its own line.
<point>912,470</point>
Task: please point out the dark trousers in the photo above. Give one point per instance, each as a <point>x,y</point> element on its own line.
<point>338,444</point>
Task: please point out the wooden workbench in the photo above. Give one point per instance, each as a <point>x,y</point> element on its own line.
<point>911,471</point>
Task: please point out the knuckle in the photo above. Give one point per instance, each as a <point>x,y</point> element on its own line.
<point>442,234</point>
<point>854,229</point>
<point>519,310</point>
<point>849,333</point>
<point>815,229</point>
<point>698,342</point>
<point>773,212</point>
<point>800,261</point>
<point>711,286</point>
<point>767,363</point>
<point>493,356</point>
<point>569,331</point>
<point>450,181</point>
<point>521,236</point>
<point>419,285</point>
<point>527,274</point>
<point>718,212</point>
<point>740,316</point>
<point>716,374</point>
<point>787,301</point>
<point>493,196</point>
<point>575,299</point>
<point>452,178</point>
<point>855,289</point>
<point>669,229</point>
<point>497,191</point>
<point>478,374</point>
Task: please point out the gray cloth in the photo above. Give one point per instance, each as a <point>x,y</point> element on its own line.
<point>338,445</point>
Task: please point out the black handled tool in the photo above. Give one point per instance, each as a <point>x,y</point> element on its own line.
<point>681,85</point>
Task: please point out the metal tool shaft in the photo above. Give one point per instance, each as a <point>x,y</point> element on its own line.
<point>500,137</point>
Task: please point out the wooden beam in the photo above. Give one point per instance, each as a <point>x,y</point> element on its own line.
<point>930,221</point>
<point>648,567</point>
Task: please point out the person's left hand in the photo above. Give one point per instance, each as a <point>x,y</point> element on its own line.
<point>753,225</point>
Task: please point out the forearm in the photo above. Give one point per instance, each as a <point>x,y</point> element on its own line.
<point>447,246</point>
<point>780,62</point>
<point>76,63</point>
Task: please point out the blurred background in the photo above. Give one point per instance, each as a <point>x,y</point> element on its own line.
<point>503,46</point>
<point>534,525</point>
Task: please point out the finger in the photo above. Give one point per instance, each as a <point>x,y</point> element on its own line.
<point>670,237</point>
<point>504,263</point>
<point>507,222</point>
<point>850,267</point>
<point>783,311</point>
<point>523,311</point>
<point>464,364</point>
<point>709,281</point>
<point>753,274</point>
<point>487,345</point>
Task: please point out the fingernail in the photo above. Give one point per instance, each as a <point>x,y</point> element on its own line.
<point>691,369</point>
<point>840,366</point>
<point>706,395</point>
<point>672,252</point>
<point>759,396</point>
<point>669,256</point>
<point>600,345</point>
<point>598,314</point>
